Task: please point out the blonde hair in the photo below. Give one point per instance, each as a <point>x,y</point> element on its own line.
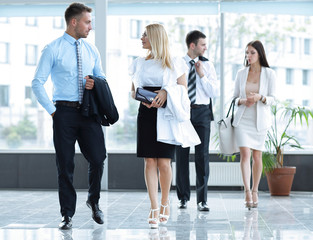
<point>159,44</point>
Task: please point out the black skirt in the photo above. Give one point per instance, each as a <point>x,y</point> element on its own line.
<point>147,145</point>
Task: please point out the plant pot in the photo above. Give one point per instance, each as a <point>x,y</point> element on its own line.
<point>280,180</point>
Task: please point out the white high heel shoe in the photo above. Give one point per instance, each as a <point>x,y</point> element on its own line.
<point>163,215</point>
<point>153,221</point>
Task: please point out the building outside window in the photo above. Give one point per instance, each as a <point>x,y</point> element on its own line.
<point>4,96</point>
<point>307,46</point>
<point>289,76</point>
<point>123,45</point>
<point>58,22</point>
<point>135,28</point>
<point>30,97</point>
<point>305,103</point>
<point>291,44</point>
<point>305,77</point>
<point>31,21</point>
<point>4,52</point>
<point>31,55</point>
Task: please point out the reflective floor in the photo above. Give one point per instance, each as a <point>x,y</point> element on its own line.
<point>34,215</point>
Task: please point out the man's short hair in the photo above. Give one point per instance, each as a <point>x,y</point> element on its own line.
<point>74,10</point>
<point>193,37</point>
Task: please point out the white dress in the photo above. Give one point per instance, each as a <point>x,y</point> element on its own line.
<point>246,133</point>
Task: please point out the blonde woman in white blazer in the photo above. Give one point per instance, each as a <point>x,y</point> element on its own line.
<point>254,93</point>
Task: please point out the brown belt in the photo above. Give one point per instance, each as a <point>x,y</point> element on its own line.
<point>68,104</point>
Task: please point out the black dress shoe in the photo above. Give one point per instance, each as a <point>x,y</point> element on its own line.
<point>97,214</point>
<point>66,223</point>
<point>182,204</point>
<point>202,206</point>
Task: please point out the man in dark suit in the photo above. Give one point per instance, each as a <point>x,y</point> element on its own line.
<point>202,86</point>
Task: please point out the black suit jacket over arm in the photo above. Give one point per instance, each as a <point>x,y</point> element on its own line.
<point>98,102</point>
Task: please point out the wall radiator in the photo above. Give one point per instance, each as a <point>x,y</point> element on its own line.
<point>221,174</point>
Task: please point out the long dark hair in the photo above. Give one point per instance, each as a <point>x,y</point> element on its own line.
<point>260,49</point>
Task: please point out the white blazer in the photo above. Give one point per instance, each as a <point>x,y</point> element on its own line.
<point>173,121</point>
<point>267,89</point>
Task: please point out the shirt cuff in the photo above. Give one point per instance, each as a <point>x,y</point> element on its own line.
<point>50,109</point>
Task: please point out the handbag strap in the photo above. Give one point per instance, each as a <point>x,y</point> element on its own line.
<point>232,109</point>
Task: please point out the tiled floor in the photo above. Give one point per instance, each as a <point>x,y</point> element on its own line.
<point>34,215</point>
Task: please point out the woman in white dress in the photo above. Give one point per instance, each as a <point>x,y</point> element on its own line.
<point>254,93</point>
<point>154,72</point>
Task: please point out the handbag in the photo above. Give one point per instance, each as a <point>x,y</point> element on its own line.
<point>227,142</point>
<point>146,96</point>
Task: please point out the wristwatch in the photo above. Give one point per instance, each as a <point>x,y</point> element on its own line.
<point>262,98</point>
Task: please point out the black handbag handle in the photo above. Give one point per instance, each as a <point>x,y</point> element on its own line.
<point>232,109</point>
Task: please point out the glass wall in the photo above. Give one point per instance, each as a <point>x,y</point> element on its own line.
<point>25,125</point>
<point>124,45</point>
<point>288,45</point>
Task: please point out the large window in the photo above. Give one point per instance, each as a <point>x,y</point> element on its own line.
<point>24,124</point>
<point>287,40</point>
<point>124,45</point>
<point>277,33</point>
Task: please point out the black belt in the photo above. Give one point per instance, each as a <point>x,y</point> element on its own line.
<point>197,105</point>
<point>68,104</point>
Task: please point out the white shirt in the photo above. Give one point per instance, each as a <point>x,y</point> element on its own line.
<point>151,73</point>
<point>173,121</point>
<point>206,87</point>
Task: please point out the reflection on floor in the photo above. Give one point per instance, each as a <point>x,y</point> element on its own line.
<point>34,215</point>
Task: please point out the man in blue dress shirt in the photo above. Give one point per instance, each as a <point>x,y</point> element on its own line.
<point>70,59</point>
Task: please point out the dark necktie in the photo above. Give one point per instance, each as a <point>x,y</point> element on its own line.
<point>192,82</point>
<point>80,72</point>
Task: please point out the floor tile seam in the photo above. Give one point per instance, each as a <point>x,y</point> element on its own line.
<point>107,206</point>
<point>144,199</point>
<point>265,223</point>
<point>228,220</point>
<point>32,202</point>
<point>15,222</point>
<point>288,212</point>
<point>300,222</point>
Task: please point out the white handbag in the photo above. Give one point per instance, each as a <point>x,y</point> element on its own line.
<point>227,142</point>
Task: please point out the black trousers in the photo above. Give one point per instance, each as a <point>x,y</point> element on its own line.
<point>201,120</point>
<point>68,126</point>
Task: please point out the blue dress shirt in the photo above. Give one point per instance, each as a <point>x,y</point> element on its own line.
<point>59,59</point>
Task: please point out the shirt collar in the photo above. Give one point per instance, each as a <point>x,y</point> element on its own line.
<point>70,39</point>
<point>188,59</point>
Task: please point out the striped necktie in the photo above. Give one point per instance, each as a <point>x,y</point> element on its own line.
<point>192,82</point>
<point>80,72</point>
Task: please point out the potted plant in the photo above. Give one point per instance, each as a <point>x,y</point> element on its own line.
<point>280,177</point>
